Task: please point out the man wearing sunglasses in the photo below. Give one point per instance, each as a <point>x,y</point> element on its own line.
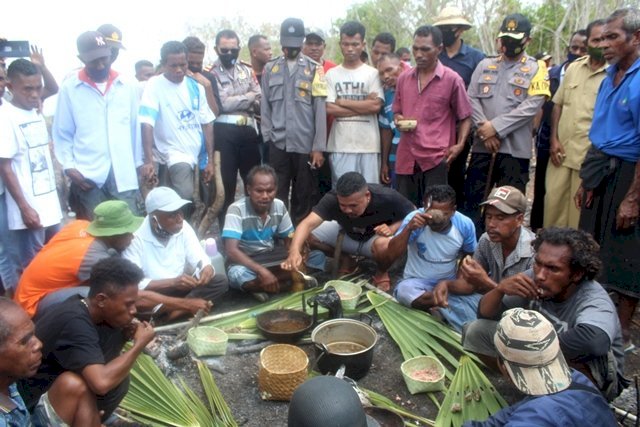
<point>235,129</point>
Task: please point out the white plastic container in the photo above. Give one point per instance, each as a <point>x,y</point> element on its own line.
<point>217,260</point>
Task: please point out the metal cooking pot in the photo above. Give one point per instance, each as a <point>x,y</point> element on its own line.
<point>345,342</point>
<point>286,326</point>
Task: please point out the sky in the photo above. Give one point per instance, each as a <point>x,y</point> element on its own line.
<point>55,25</point>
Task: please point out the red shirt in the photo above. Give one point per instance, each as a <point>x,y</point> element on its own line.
<point>326,66</point>
<point>442,102</point>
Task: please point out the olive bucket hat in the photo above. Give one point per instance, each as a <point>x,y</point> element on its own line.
<point>112,218</point>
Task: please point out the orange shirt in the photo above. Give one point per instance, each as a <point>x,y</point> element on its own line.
<point>64,262</point>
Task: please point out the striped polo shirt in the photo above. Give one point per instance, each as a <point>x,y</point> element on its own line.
<point>255,234</point>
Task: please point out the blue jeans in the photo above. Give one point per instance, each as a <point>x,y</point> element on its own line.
<point>30,241</point>
<point>8,253</point>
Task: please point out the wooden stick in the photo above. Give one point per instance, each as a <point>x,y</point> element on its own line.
<point>487,185</point>
<point>212,212</point>
<point>173,326</point>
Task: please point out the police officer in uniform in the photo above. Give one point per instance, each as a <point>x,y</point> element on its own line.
<point>506,92</point>
<point>235,129</point>
<point>294,119</point>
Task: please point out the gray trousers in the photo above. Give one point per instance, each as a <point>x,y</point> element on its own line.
<point>179,177</point>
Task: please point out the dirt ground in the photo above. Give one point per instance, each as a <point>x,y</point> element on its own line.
<point>236,376</point>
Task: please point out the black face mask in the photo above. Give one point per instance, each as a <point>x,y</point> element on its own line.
<point>98,75</point>
<point>292,52</point>
<point>448,37</point>
<point>512,47</point>
<point>228,60</point>
<point>158,230</point>
<point>572,57</point>
<point>195,70</point>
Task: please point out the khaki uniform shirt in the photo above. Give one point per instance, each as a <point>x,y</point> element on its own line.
<point>509,94</point>
<point>294,115</point>
<point>238,88</point>
<point>577,97</point>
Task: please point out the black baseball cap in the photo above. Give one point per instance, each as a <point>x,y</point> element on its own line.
<point>292,32</point>
<point>516,26</point>
<point>91,46</point>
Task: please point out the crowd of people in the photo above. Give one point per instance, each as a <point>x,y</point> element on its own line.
<point>423,164</point>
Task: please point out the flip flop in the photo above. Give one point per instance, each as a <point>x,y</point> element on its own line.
<point>382,282</point>
<point>629,347</point>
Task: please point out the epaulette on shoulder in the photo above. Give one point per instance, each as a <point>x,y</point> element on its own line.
<point>311,60</point>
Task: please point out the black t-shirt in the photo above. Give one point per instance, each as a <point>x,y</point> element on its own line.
<point>70,342</point>
<point>386,207</point>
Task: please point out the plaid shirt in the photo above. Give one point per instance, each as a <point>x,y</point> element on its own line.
<point>489,255</point>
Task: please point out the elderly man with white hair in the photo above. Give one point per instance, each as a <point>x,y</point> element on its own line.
<point>167,249</point>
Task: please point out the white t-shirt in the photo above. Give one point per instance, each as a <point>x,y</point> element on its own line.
<point>159,261</point>
<point>176,112</point>
<point>25,139</point>
<point>357,134</point>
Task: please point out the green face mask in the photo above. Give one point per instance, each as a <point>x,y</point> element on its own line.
<point>596,53</point>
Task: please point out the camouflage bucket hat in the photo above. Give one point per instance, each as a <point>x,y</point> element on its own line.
<point>529,346</point>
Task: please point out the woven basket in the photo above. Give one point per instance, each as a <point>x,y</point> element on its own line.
<point>418,363</point>
<point>283,368</point>
<point>349,293</point>
<point>207,341</point>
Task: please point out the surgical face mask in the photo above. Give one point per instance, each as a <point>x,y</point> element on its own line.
<point>98,75</point>
<point>293,52</point>
<point>512,47</point>
<point>228,57</point>
<point>158,230</point>
<point>597,53</point>
<point>448,36</point>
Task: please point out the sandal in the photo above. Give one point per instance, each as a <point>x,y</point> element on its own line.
<point>629,347</point>
<point>382,282</point>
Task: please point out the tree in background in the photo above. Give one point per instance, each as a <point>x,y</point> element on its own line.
<point>207,33</point>
<point>554,21</point>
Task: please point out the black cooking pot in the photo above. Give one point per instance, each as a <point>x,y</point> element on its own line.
<point>286,326</point>
<point>345,342</point>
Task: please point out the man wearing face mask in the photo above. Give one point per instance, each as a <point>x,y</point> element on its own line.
<point>435,238</point>
<point>571,119</point>
<point>235,129</point>
<point>506,92</point>
<point>167,250</point>
<point>462,59</point>
<point>577,48</point>
<point>294,120</point>
<point>94,131</point>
